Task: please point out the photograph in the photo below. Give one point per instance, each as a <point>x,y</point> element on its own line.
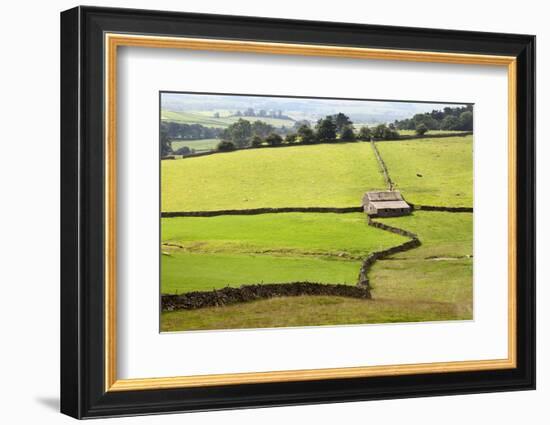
<point>285,211</point>
<point>288,210</point>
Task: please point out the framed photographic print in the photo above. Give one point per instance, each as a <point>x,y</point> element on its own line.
<point>261,212</point>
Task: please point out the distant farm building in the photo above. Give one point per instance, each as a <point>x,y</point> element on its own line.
<point>387,203</point>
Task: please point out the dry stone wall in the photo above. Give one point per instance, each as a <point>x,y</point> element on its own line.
<point>383,168</point>
<point>441,208</point>
<point>246,293</point>
<point>255,211</point>
<point>363,279</point>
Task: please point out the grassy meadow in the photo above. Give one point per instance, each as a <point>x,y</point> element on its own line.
<point>439,270</point>
<point>296,176</point>
<point>443,235</point>
<point>208,120</point>
<point>313,311</point>
<point>200,145</point>
<point>432,171</point>
<point>266,248</point>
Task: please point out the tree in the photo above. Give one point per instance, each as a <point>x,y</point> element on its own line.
<point>421,129</point>
<point>225,146</point>
<point>342,121</point>
<point>326,129</point>
<point>306,135</point>
<point>291,138</point>
<point>466,121</point>
<point>379,131</point>
<point>347,133</point>
<point>437,115</point>
<point>390,133</point>
<point>239,133</point>
<point>382,131</point>
<point>256,141</point>
<point>364,133</point>
<point>300,123</point>
<point>261,128</point>
<point>274,139</point>
<point>426,119</point>
<point>449,118</point>
<point>450,122</point>
<point>216,114</point>
<point>179,131</point>
<point>165,144</point>
<point>184,150</point>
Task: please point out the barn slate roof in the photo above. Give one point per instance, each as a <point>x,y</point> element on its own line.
<point>385,195</point>
<point>389,204</point>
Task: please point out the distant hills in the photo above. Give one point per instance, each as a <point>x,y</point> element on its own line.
<point>220,110</point>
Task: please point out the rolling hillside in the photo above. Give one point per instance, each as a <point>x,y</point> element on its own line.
<point>222,122</point>
<point>296,176</point>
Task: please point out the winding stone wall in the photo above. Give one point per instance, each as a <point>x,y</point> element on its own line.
<point>392,229</point>
<point>363,279</point>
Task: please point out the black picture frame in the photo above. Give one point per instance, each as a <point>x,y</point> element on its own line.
<point>83,392</point>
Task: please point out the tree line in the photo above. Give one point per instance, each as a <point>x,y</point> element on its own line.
<point>175,130</point>
<point>331,128</point>
<point>458,118</point>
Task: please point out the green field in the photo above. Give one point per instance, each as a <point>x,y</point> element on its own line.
<point>440,270</point>
<point>185,272</point>
<point>432,171</point>
<point>201,145</point>
<point>429,283</point>
<point>295,176</point>
<point>324,248</point>
<point>299,233</point>
<point>443,235</point>
<point>221,122</point>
